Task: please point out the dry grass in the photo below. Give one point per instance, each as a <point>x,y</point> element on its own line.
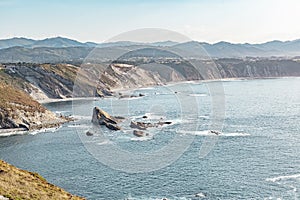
<point>66,71</point>
<point>19,184</point>
<point>12,99</point>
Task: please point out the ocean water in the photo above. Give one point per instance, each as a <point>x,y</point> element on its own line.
<point>256,156</point>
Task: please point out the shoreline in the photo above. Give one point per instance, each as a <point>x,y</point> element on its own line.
<point>56,125</point>
<point>12,131</point>
<point>120,90</point>
<point>51,100</point>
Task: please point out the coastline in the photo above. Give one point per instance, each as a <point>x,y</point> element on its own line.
<point>120,90</point>
<point>58,123</point>
<point>51,100</point>
<point>35,129</point>
<point>12,131</point>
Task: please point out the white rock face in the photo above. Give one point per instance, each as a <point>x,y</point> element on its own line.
<point>3,198</point>
<point>37,94</point>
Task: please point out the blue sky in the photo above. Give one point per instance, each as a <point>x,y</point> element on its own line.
<point>237,21</point>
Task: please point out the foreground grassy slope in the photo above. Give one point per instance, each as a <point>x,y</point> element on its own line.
<point>19,184</point>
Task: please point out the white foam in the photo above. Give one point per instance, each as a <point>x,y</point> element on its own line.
<point>78,117</point>
<point>200,133</point>
<point>105,142</point>
<point>203,117</point>
<point>198,95</point>
<point>79,126</point>
<point>11,133</point>
<point>130,98</point>
<point>208,133</point>
<point>201,195</point>
<point>52,130</point>
<point>146,88</point>
<point>146,138</point>
<point>60,112</point>
<point>279,178</point>
<point>235,134</point>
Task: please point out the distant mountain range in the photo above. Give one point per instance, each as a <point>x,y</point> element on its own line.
<point>60,42</point>
<point>60,49</point>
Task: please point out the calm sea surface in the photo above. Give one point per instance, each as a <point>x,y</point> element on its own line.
<point>257,156</point>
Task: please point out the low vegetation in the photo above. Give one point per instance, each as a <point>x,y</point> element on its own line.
<point>17,184</point>
<point>12,99</point>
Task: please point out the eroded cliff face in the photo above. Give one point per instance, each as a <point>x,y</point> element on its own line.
<point>44,81</point>
<point>19,110</point>
<point>258,68</point>
<point>129,76</point>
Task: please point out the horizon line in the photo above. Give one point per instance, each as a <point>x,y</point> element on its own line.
<point>104,42</point>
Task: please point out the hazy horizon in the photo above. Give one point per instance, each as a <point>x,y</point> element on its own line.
<point>205,21</point>
<point>65,37</point>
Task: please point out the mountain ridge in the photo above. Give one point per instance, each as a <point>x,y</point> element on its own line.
<point>17,41</point>
<point>60,49</point>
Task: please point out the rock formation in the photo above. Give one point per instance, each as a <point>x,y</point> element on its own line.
<point>145,125</point>
<point>215,132</point>
<point>19,110</point>
<point>138,133</point>
<point>100,117</point>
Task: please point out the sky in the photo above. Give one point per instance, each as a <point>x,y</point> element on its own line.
<point>236,21</point>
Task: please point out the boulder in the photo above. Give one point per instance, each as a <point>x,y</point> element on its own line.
<point>121,96</point>
<point>138,133</point>
<point>215,132</point>
<point>140,125</point>
<point>163,123</point>
<point>88,133</point>
<point>145,125</point>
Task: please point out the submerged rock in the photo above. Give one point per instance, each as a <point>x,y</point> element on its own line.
<point>88,133</point>
<point>215,132</point>
<point>122,96</point>
<point>138,133</point>
<point>140,125</point>
<point>145,125</point>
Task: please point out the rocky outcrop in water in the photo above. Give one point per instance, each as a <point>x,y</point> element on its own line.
<point>100,117</point>
<point>145,125</point>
